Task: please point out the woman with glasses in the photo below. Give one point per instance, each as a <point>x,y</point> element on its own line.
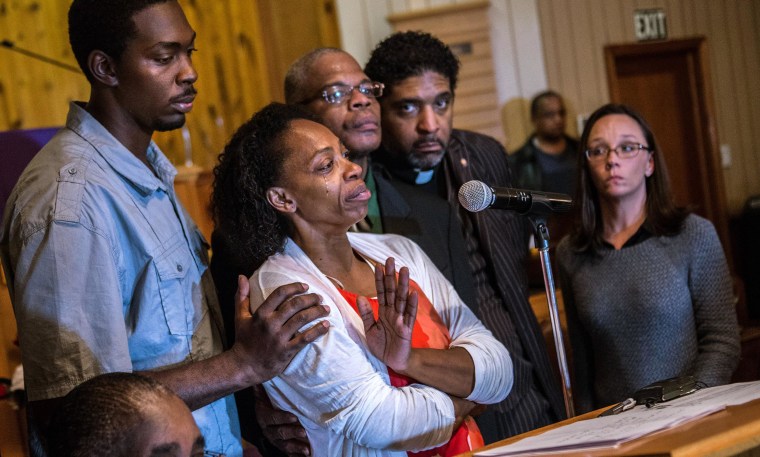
<point>405,361</point>
<point>645,283</point>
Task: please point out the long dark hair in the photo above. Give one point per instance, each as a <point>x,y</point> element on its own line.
<point>663,216</point>
<point>250,164</point>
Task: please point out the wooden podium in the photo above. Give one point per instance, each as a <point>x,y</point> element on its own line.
<point>735,431</point>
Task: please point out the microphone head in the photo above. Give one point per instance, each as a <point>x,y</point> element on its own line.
<point>475,196</point>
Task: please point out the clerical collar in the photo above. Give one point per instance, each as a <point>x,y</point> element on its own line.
<point>413,176</point>
<point>400,169</point>
<point>424,176</point>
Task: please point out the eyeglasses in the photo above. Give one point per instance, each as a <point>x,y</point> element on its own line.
<point>339,93</point>
<point>624,151</point>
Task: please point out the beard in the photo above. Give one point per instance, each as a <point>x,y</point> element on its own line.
<point>425,161</point>
<point>167,125</point>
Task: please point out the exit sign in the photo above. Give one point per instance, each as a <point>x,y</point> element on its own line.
<point>650,24</point>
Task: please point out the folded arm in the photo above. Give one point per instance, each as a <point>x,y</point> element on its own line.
<point>389,337</point>
<point>336,383</point>
<point>475,366</point>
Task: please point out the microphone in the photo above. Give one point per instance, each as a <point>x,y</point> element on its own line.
<point>12,46</point>
<point>476,196</point>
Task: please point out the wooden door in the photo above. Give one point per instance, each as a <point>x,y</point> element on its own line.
<point>292,28</point>
<point>668,83</point>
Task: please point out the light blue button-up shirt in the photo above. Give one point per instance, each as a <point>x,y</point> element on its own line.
<point>107,272</point>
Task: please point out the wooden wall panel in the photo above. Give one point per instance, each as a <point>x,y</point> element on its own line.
<point>574,33</point>
<point>461,27</point>
<point>232,62</point>
<point>12,438</point>
<point>292,28</point>
<point>33,93</point>
<point>232,78</point>
<point>232,82</point>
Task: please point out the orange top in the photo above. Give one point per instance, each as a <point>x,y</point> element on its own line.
<point>429,332</point>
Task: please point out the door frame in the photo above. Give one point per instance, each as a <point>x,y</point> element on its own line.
<point>710,177</point>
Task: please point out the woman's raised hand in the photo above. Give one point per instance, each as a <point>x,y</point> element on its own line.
<point>390,336</point>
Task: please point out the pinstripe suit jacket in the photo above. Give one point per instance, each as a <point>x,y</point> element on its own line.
<point>503,238</point>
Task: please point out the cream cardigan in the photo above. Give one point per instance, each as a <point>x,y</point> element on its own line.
<point>342,394</point>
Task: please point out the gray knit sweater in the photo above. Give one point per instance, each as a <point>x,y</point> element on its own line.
<point>657,309</point>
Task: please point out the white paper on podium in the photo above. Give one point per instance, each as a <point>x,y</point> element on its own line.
<point>611,431</point>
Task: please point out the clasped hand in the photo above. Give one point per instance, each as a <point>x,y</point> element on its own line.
<point>389,337</point>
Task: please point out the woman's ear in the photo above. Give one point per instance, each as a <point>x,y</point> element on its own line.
<point>103,68</point>
<point>279,199</point>
<point>650,166</point>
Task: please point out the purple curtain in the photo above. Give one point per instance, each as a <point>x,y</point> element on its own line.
<point>17,147</point>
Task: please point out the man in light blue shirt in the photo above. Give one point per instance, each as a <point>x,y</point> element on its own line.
<point>105,268</point>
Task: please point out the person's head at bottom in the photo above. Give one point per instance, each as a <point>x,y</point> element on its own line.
<point>123,414</point>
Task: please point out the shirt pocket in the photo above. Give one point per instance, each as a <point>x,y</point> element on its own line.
<point>173,267</point>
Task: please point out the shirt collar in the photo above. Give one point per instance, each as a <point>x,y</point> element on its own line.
<point>641,235</point>
<point>118,157</point>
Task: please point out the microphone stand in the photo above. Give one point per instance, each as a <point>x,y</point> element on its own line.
<point>12,46</point>
<point>542,243</point>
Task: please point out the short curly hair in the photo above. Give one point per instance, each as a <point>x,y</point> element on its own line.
<point>251,163</point>
<point>406,54</point>
<point>534,104</point>
<point>103,416</point>
<point>105,25</point>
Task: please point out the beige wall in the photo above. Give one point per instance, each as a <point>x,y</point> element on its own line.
<point>574,33</point>
<point>536,44</point>
<point>558,44</point>
<point>515,41</point>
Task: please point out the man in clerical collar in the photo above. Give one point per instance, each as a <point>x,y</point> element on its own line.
<point>421,153</point>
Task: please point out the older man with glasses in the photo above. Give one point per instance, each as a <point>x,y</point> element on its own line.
<point>331,84</point>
